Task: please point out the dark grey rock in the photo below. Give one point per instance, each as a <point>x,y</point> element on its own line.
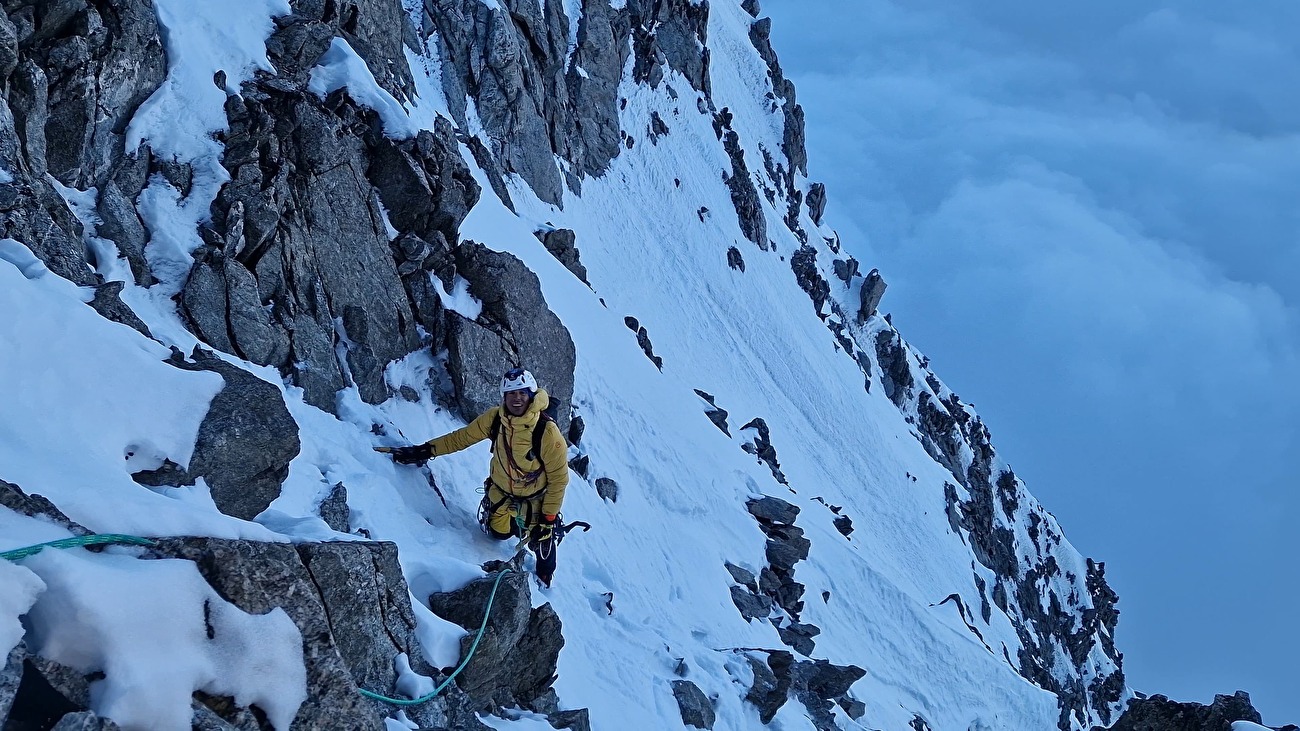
<point>13,498</point>
<point>222,713</point>
<point>744,196</point>
<point>817,202</point>
<point>799,636</point>
<point>334,509</point>
<point>893,359</point>
<point>424,184</point>
<point>581,465</point>
<point>752,7</point>
<point>844,525</point>
<point>515,328</point>
<point>855,709</point>
<point>846,269</point>
<point>515,661</point>
<point>751,605</point>
<point>804,264</point>
<point>607,489</point>
<point>576,429</point>
<point>785,552</point>
<point>773,510</point>
<point>245,442</point>
<point>719,419</point>
<point>120,224</point>
<point>771,686</point>
<point>560,242</point>
<point>109,305</point>
<point>579,720</point>
<point>102,62</point>
<point>696,708</point>
<point>761,447</point>
<point>873,289</point>
<point>657,128</point>
<point>1158,713</point>
<point>204,718</point>
<point>258,577</point>
<point>734,259</point>
<point>84,721</point>
<point>303,217</point>
<point>11,675</point>
<point>817,683</point>
<point>742,576</point>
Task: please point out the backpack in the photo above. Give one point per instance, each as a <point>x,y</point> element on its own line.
<point>547,416</point>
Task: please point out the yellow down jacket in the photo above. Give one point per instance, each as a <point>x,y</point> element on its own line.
<point>515,471</point>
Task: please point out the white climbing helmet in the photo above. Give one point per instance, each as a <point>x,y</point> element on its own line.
<point>518,379</point>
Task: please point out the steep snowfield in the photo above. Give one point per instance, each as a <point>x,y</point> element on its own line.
<point>86,396</point>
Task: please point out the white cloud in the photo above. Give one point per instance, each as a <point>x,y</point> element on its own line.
<point>1088,221</point>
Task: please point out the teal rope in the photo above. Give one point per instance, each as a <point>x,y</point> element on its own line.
<point>77,541</point>
<point>482,627</point>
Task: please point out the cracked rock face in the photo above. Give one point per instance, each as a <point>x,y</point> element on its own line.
<point>515,328</point>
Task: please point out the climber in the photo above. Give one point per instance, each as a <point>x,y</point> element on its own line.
<point>529,472</point>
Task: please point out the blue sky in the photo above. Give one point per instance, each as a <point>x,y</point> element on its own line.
<point>1089,217</point>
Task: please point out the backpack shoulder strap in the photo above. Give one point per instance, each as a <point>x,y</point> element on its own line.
<point>538,432</point>
<point>495,429</point>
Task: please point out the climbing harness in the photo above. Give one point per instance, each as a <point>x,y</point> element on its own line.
<point>18,554</point>
<point>468,656</point>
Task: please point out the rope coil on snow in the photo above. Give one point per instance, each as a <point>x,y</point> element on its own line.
<point>18,554</point>
<point>487,612</point>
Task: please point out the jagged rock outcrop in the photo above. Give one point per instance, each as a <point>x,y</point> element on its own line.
<point>515,328</point>
<point>643,340</point>
<point>817,202</point>
<point>515,662</point>
<point>761,446</point>
<point>1056,614</point>
<point>696,708</point>
<point>817,684</point>
<point>1158,713</point>
<point>245,442</point>
<point>873,290</point>
<point>560,242</point>
<point>744,195</point>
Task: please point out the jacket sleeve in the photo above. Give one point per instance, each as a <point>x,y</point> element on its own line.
<point>465,437</point>
<point>555,454</point>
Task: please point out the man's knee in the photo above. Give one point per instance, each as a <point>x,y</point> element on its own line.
<point>499,536</point>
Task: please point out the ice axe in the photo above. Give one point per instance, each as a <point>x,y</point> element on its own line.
<point>424,468</point>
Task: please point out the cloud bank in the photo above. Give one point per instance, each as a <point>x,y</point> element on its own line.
<point>1088,218</point>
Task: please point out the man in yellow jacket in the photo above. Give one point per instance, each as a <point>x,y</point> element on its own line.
<point>530,469</point>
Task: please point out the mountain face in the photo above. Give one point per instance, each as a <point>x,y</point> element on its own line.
<point>309,228</point>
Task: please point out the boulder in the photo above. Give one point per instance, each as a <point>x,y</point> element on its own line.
<point>515,661</point>
<point>515,328</point>
<point>817,202</point>
<point>696,708</point>
<point>751,605</point>
<point>560,242</point>
<point>334,509</point>
<point>258,577</point>
<point>607,489</point>
<point>245,442</point>
<point>873,290</point>
<point>109,305</point>
<point>773,510</point>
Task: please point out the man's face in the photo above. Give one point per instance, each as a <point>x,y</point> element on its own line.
<point>516,402</point>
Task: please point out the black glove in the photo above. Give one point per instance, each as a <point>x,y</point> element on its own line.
<point>545,529</point>
<point>417,454</point>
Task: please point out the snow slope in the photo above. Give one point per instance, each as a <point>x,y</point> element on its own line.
<point>752,339</point>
